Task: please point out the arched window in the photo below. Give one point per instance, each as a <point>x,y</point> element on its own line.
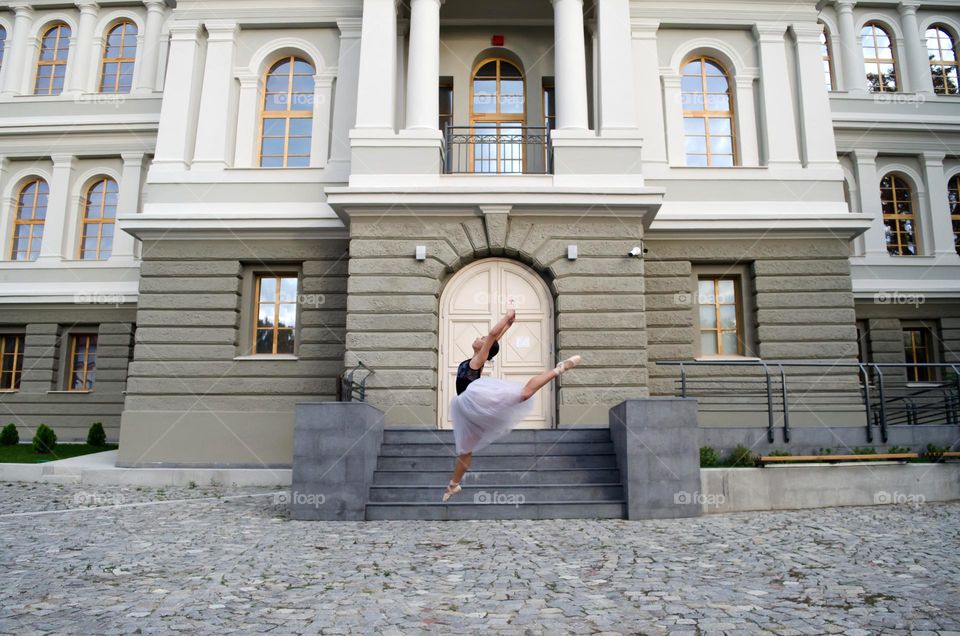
<point>879,60</point>
<point>28,225</point>
<point>3,44</point>
<point>942,53</point>
<point>707,113</point>
<point>826,54</point>
<point>953,193</point>
<point>119,56</point>
<point>497,105</point>
<point>286,120</point>
<point>52,64</point>
<point>899,215</point>
<point>99,216</point>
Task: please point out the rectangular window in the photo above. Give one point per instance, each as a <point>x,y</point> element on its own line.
<point>549,104</point>
<point>720,312</point>
<point>83,361</point>
<point>918,350</point>
<point>446,103</point>
<point>276,313</point>
<point>11,357</point>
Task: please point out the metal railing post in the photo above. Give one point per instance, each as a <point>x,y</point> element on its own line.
<point>866,399</point>
<point>770,436</point>
<point>883,405</point>
<point>683,381</point>
<point>786,407</point>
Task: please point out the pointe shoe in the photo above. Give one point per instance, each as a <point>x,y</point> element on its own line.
<point>452,489</point>
<point>571,361</point>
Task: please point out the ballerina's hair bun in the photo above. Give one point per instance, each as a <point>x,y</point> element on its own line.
<point>494,350</point>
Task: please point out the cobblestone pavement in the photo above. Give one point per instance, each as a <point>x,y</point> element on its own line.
<point>231,561</point>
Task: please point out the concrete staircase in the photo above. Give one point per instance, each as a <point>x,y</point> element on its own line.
<point>566,473</point>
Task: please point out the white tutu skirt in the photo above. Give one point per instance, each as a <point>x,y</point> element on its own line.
<point>488,409</point>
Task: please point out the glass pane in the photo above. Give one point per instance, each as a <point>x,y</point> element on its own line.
<point>268,290</point>
<point>721,145</point>
<point>719,126</point>
<point>729,343</point>
<point>266,316</point>
<point>264,341</point>
<point>722,161</point>
<point>273,127</point>
<point>271,162</point>
<point>298,161</point>
<point>288,290</point>
<point>728,316</point>
<point>288,316</point>
<point>717,85</point>
<point>285,341</point>
<point>693,68</point>
<point>488,70</point>
<point>726,292</point>
<point>697,161</point>
<point>713,68</point>
<point>705,292</point>
<point>708,343</point>
<point>718,103</point>
<point>696,145</point>
<point>691,84</point>
<point>272,146</point>
<point>708,317</point>
<point>301,127</point>
<point>695,125</point>
<point>298,146</point>
<point>509,70</point>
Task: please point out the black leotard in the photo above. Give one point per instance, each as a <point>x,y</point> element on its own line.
<point>466,375</point>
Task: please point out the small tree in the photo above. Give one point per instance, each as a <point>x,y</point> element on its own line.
<point>708,457</point>
<point>45,440</point>
<point>96,436</point>
<point>9,435</point>
<point>741,457</point>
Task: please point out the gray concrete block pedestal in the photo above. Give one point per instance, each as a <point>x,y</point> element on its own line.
<point>656,441</point>
<point>335,449</point>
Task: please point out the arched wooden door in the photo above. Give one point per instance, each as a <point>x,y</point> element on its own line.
<point>471,303</point>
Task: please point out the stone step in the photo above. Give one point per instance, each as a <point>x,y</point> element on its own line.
<point>52,478</point>
<point>497,462</point>
<point>503,448</point>
<point>508,494</point>
<point>570,435</point>
<point>467,511</point>
<point>497,477</point>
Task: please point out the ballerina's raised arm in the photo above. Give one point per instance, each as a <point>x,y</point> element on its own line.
<point>495,334</point>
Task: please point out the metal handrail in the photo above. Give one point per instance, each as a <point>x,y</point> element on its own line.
<point>870,376</point>
<point>348,390</point>
<point>497,149</point>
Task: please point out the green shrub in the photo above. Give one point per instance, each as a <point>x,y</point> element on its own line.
<point>933,449</point>
<point>9,435</point>
<point>709,458</point>
<point>45,440</point>
<point>741,457</point>
<point>780,453</point>
<point>96,436</point>
<point>864,450</point>
<point>825,451</point>
<point>899,449</point>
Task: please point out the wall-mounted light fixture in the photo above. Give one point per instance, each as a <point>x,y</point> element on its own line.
<point>571,252</point>
<point>421,252</point>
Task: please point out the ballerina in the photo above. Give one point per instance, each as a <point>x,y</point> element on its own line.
<point>487,408</point>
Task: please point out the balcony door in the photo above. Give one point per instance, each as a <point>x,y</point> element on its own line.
<point>497,116</point>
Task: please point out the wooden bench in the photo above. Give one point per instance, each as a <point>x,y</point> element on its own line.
<point>763,460</point>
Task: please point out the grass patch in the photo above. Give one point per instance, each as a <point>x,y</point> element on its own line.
<point>24,453</point>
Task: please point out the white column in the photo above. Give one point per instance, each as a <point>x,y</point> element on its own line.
<point>53,247</point>
<point>376,89</point>
<point>673,99</point>
<point>649,98</point>
<point>81,54</point>
<point>571,65</point>
<point>749,147</point>
<point>248,120</point>
<point>918,74</point>
<point>124,245</point>
<point>424,65</point>
<point>15,61</point>
<point>816,120</point>
<point>618,106</point>
<point>175,132</point>
<point>320,140</point>
<point>210,152</point>
<point>345,107</point>
<point>778,115</point>
<point>868,185</point>
<point>851,54</point>
<point>149,56</point>
<point>939,235</point>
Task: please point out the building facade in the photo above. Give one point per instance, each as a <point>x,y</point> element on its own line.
<point>212,209</point>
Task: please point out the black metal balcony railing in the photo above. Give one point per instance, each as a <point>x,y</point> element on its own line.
<point>498,149</point>
<point>878,394</point>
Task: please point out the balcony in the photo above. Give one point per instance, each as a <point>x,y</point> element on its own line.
<point>497,149</point>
